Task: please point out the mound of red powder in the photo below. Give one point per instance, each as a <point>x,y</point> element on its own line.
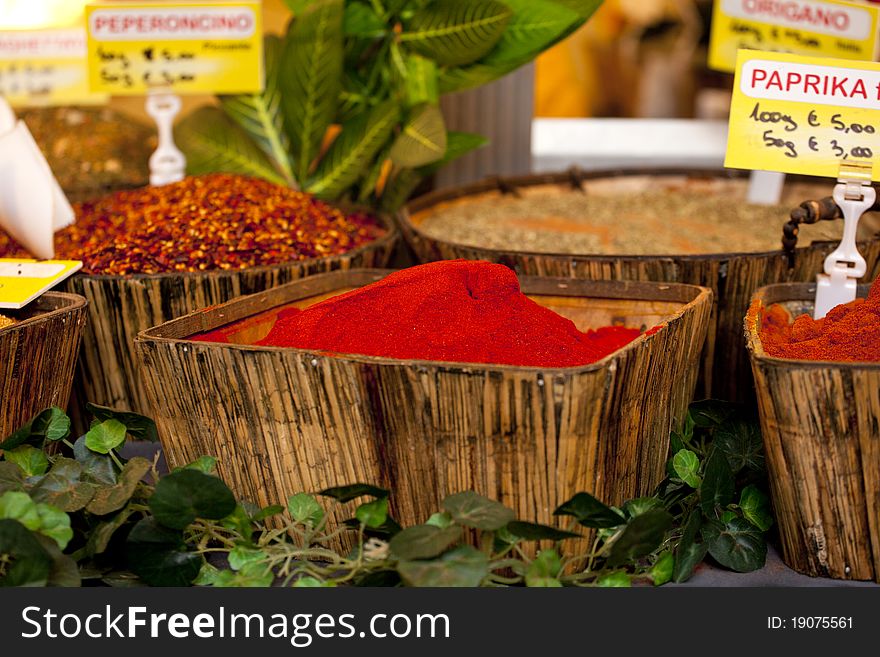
<point>849,332</point>
<point>459,311</point>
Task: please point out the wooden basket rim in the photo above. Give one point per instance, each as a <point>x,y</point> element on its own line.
<point>779,292</point>
<point>495,183</point>
<point>70,302</point>
<point>392,233</point>
<point>615,290</point>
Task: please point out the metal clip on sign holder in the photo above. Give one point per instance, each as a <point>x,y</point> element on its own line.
<point>167,163</point>
<point>854,195</point>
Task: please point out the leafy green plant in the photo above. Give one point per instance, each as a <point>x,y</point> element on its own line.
<point>350,105</point>
<point>76,512</point>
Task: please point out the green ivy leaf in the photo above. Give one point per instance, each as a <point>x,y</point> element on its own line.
<point>31,564</point>
<point>11,477</point>
<point>212,142</point>
<point>742,444</point>
<point>423,541</point>
<point>97,467</point>
<point>544,570</point>
<point>55,524</point>
<point>103,532</point>
<point>640,505</point>
<point>62,487</point>
<point>755,506</point>
<point>689,552</point>
<point>310,78</point>
<point>241,556</point>
<point>158,555</point>
<point>464,566</point>
<point>473,510</point>
<point>642,535</point>
<point>32,461</point>
<point>590,512</point>
<point>16,505</point>
<point>421,81</point>
<point>267,512</point>
<point>112,498</point>
<point>353,150</point>
<point>661,571</point>
<point>735,544</point>
<point>531,531</point>
<point>618,579</point>
<point>441,520</point>
<point>239,520</point>
<point>687,467</point>
<point>718,485</point>
<point>456,32</point>
<point>49,425</point>
<point>204,464</point>
<point>304,508</point>
<point>183,496</point>
<point>353,491</point>
<point>139,427</point>
<point>309,582</point>
<point>373,514</point>
<point>105,436</point>
<point>422,140</point>
<point>260,115</point>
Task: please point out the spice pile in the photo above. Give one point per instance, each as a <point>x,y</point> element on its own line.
<point>850,332</point>
<point>217,221</point>
<point>6,321</point>
<point>629,215</point>
<point>455,311</point>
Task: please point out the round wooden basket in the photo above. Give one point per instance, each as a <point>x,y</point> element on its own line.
<point>285,420</point>
<point>122,306</point>
<point>821,427</point>
<point>733,277</point>
<point>37,357</point>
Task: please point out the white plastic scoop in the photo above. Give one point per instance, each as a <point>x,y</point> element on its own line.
<point>167,163</point>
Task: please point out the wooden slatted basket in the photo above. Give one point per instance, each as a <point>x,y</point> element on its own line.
<point>285,420</point>
<point>733,277</point>
<point>821,427</point>
<point>122,306</point>
<point>37,357</point>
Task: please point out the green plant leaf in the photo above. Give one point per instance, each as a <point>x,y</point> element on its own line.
<point>661,571</point>
<point>709,413</point>
<point>373,514</point>
<point>158,555</point>
<point>204,464</point>
<point>456,32</point>
<point>16,505</point>
<point>590,512</point>
<point>304,508</point>
<point>183,496</point>
<point>353,150</point>
<point>64,571</point>
<point>617,580</point>
<point>309,582</point>
<point>112,498</point>
<point>310,78</point>
<point>11,477</point>
<point>742,444</point>
<point>361,21</point>
<point>105,436</point>
<point>139,427</point>
<point>31,564</point>
<point>689,552</point>
<point>260,115</point>
<point>239,520</point>
<point>48,425</point>
<point>353,491</point>
<point>267,512</point>
<point>422,140</point>
<point>97,467</point>
<point>735,544</point>
<point>62,487</point>
<point>212,142</point>
<point>531,531</point>
<point>718,484</point>
<point>441,520</point>
<point>241,556</point>
<point>423,541</point>
<point>32,461</point>
<point>544,570</point>
<point>642,535</point>
<point>421,80</point>
<point>535,26</point>
<point>473,510</point>
<point>54,524</point>
<point>103,532</point>
<point>755,506</point>
<point>462,566</point>
<point>687,467</point>
<point>640,505</point>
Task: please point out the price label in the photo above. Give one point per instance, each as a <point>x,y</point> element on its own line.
<point>827,28</point>
<point>807,115</point>
<point>181,47</point>
<point>22,281</point>
<point>45,67</point>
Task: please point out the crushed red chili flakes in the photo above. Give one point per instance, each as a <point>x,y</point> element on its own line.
<point>216,221</point>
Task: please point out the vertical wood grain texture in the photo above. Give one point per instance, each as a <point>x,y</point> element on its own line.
<point>821,428</point>
<point>37,357</point>
<point>726,373</point>
<point>287,420</point>
<point>122,306</point>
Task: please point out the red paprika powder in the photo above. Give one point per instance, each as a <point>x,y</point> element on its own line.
<point>456,311</point>
<point>849,332</point>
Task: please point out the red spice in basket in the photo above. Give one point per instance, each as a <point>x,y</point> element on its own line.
<point>459,311</point>
<point>849,332</point>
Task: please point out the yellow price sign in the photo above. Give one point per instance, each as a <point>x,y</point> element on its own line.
<point>806,115</point>
<point>181,47</point>
<point>22,281</point>
<point>828,28</point>
<point>45,67</point>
